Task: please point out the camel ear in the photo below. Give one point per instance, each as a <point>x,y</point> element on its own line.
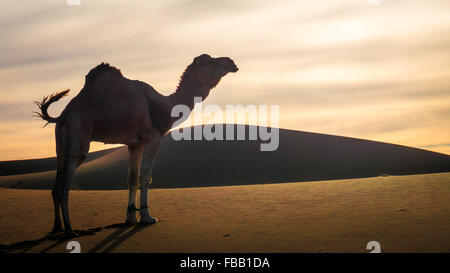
<point>202,59</point>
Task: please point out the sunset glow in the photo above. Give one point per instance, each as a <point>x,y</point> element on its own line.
<point>335,67</point>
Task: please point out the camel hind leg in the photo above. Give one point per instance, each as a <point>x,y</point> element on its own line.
<point>74,151</point>
<point>67,176</point>
<point>57,226</point>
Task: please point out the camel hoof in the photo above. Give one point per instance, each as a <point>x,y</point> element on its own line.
<point>148,220</point>
<point>70,234</point>
<point>56,230</point>
<point>131,220</point>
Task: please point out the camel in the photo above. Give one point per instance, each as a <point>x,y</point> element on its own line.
<point>113,109</point>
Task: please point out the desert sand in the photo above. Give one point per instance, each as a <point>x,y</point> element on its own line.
<point>403,213</point>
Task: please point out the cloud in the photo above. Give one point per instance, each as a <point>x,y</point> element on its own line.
<point>333,66</point>
<point>15,111</point>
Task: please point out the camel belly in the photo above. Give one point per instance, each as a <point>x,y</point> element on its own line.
<point>122,121</point>
<point>129,132</point>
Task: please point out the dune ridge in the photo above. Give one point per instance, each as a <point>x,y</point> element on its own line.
<point>302,156</point>
<point>13,167</point>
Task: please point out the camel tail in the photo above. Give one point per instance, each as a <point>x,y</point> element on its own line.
<point>45,103</point>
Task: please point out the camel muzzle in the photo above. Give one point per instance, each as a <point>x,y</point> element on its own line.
<point>227,64</point>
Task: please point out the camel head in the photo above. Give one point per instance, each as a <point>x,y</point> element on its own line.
<point>208,70</point>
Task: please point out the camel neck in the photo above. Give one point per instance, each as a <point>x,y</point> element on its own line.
<point>185,94</point>
<point>184,97</point>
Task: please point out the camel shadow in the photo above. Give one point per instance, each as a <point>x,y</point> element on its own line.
<point>60,238</point>
<point>117,238</point>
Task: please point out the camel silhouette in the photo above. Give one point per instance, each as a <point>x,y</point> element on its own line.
<point>113,109</point>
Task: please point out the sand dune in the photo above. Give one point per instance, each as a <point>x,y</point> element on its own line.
<point>403,213</point>
<point>41,165</point>
<point>91,175</point>
<point>301,156</point>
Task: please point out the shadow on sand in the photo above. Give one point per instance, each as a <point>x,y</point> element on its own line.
<point>117,237</point>
<point>113,240</point>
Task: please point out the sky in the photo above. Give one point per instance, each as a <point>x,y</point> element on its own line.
<point>342,67</point>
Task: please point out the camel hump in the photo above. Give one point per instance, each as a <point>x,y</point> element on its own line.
<point>102,68</point>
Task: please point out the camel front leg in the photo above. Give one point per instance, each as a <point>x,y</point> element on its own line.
<point>133,179</point>
<point>150,151</point>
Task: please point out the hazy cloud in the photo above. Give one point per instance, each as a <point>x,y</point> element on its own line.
<point>340,67</point>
